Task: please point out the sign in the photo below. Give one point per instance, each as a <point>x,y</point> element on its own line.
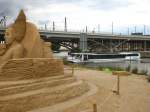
<point>121,73</point>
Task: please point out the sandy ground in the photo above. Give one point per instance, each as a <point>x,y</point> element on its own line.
<point>134,93</point>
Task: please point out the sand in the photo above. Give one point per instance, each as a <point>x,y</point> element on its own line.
<point>134,93</point>
<point>23,65</point>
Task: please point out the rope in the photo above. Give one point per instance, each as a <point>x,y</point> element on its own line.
<point>105,100</point>
<point>108,97</point>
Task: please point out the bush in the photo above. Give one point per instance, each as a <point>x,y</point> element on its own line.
<point>100,68</point>
<point>110,69</point>
<point>55,46</point>
<point>148,78</point>
<point>135,70</point>
<point>115,69</point>
<point>65,62</point>
<point>143,72</point>
<point>128,68</point>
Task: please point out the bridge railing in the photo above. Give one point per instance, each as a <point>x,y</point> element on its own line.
<point>82,31</point>
<point>78,31</point>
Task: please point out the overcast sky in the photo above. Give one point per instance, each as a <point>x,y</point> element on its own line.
<point>82,13</point>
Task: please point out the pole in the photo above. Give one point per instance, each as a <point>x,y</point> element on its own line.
<point>86,29</point>
<point>145,46</point>
<point>53,26</point>
<point>94,107</point>
<point>98,28</point>
<point>65,25</point>
<point>118,84</point>
<point>128,31</point>
<point>135,29</point>
<point>144,29</point>
<point>45,27</point>
<point>112,28</point>
<point>4,18</point>
<point>72,70</point>
<point>93,30</point>
<point>1,23</point>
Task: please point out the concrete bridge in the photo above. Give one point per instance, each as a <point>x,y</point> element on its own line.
<point>95,41</point>
<point>98,42</point>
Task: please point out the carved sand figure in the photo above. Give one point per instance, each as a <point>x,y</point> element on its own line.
<point>30,77</point>
<point>13,37</point>
<point>22,40</point>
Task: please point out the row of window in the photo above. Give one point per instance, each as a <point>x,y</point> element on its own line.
<point>110,56</point>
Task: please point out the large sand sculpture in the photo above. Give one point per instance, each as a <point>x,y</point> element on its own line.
<point>30,77</point>
<point>23,42</point>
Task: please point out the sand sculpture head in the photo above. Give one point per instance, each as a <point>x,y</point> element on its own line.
<point>17,30</point>
<point>28,39</point>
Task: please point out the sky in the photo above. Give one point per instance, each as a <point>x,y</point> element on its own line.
<point>97,15</point>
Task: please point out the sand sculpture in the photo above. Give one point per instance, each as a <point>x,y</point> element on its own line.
<point>23,41</point>
<point>30,77</point>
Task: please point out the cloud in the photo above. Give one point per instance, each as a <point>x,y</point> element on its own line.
<point>40,22</point>
<point>105,4</point>
<point>81,13</point>
<point>11,7</point>
<point>7,7</point>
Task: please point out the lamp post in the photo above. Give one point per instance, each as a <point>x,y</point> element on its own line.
<point>112,28</point>
<point>144,29</point>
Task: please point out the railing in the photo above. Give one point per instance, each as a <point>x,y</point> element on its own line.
<point>88,32</point>
<point>79,31</point>
<point>92,33</point>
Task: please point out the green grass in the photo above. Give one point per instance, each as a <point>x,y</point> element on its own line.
<point>100,68</point>
<point>109,69</point>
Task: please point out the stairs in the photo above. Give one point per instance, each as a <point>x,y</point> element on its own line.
<point>36,94</point>
<point>28,94</point>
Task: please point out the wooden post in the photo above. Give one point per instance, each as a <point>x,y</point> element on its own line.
<point>118,74</point>
<point>94,107</point>
<point>72,69</point>
<point>118,84</point>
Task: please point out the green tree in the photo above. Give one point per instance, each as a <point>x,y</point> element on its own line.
<point>55,46</point>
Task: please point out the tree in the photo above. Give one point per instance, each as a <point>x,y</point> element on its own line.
<point>55,46</point>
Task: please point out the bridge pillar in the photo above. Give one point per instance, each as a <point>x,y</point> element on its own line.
<point>111,47</point>
<point>83,42</point>
<point>145,46</point>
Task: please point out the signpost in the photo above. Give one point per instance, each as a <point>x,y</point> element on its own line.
<point>72,66</point>
<point>72,69</point>
<point>118,74</point>
<point>94,107</point>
